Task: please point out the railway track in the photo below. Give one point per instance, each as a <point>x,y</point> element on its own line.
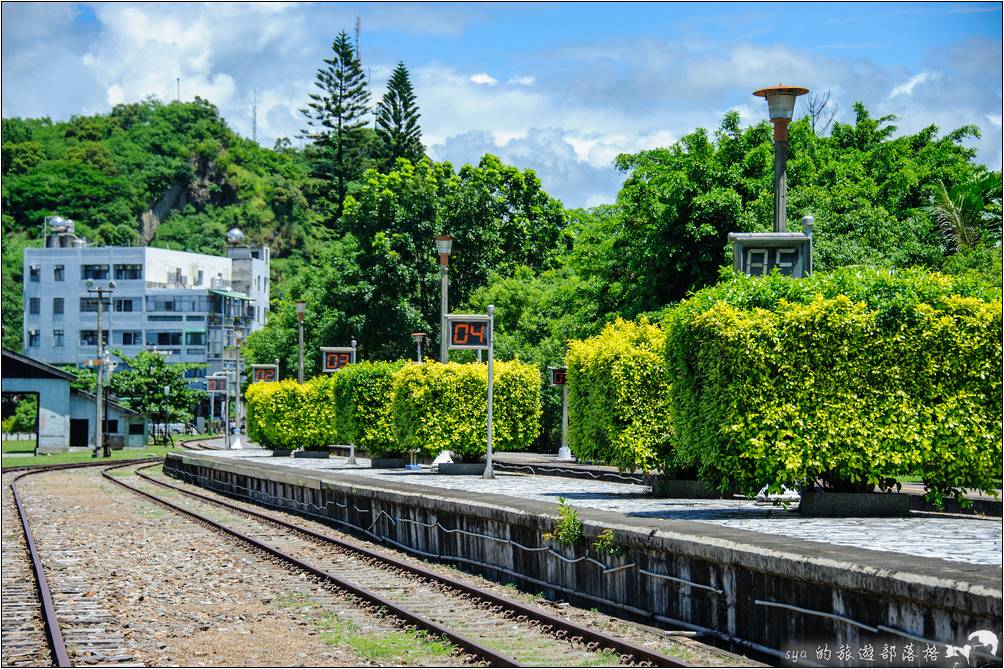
<point>490,628</point>
<point>40,623</point>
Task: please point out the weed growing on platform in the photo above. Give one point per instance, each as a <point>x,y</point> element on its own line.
<point>568,529</point>
<point>606,544</point>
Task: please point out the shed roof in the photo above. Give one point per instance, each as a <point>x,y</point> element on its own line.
<point>19,366</point>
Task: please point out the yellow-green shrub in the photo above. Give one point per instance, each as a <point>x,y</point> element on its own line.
<point>618,397</point>
<point>286,414</point>
<point>444,407</point>
<point>364,408</point>
<point>903,380</point>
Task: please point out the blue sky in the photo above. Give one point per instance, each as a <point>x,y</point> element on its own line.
<point>559,88</point>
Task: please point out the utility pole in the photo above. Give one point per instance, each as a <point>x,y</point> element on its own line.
<point>254,117</point>
<point>178,97</point>
<point>99,405</point>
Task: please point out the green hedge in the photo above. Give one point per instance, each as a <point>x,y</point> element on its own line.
<point>851,379</point>
<point>619,397</point>
<point>285,414</point>
<point>444,407</point>
<point>364,406</point>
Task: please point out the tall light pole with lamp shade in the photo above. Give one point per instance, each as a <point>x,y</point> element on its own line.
<point>444,244</point>
<point>301,308</point>
<point>781,107</point>
<point>238,335</point>
<point>419,337</point>
<point>99,427</point>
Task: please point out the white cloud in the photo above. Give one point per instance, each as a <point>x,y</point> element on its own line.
<point>522,81</point>
<point>484,78</point>
<point>906,88</point>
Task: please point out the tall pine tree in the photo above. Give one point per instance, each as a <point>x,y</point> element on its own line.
<point>335,116</point>
<point>397,120</point>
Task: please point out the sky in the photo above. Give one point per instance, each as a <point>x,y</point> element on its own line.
<point>560,88</point>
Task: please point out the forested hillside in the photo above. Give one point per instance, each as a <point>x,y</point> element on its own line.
<point>352,215</point>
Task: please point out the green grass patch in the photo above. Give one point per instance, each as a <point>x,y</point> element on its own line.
<point>19,446</point>
<point>398,647</point>
<point>85,456</point>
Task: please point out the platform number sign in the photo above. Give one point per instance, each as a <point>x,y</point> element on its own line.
<point>557,376</point>
<point>334,358</point>
<point>469,332</point>
<point>216,384</point>
<point>265,373</point>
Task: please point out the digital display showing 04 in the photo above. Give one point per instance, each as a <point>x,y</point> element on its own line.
<point>469,332</point>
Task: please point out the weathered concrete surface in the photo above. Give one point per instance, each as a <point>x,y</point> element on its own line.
<point>737,584</point>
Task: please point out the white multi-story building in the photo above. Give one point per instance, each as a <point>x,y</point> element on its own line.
<point>187,305</point>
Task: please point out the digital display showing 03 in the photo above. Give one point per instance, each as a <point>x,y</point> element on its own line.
<point>216,384</point>
<point>469,332</point>
<point>334,358</point>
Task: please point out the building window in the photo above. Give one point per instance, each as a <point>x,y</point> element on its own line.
<point>135,429</point>
<point>94,271</point>
<point>132,338</point>
<point>57,337</point>
<point>57,306</point>
<point>58,274</point>
<point>34,339</point>
<point>128,272</point>
<point>124,304</point>
<point>163,339</point>
<point>34,273</point>
<point>34,305</point>
<point>111,426</point>
<point>195,338</point>
<point>88,304</point>
<point>90,337</point>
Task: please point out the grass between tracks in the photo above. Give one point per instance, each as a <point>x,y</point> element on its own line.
<point>397,647</point>
<point>85,456</point>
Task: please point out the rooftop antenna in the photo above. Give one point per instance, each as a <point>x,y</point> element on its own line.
<point>254,117</point>
<point>359,28</point>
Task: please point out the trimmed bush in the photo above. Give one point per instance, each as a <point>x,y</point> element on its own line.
<point>787,382</point>
<point>619,397</point>
<point>364,413</point>
<point>444,407</point>
<point>285,414</point>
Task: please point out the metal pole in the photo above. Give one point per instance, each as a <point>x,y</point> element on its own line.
<point>353,359</point>
<point>98,428</point>
<point>444,353</point>
<point>299,372</point>
<point>489,472</point>
<point>564,417</point>
<point>780,176</point>
<point>226,415</point>
<point>237,389</point>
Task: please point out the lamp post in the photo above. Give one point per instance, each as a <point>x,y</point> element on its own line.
<point>781,106</point>
<point>301,307</point>
<point>419,338</point>
<point>444,244</point>
<point>98,427</point>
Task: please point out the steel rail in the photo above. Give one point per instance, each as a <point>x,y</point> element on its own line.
<point>494,658</point>
<point>52,631</point>
<point>74,465</point>
<point>622,646</point>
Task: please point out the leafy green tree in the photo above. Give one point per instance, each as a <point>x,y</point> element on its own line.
<point>969,214</point>
<point>397,120</point>
<point>335,116</point>
<point>140,386</point>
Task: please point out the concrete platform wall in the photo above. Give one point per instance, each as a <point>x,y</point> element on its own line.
<point>757,598</point>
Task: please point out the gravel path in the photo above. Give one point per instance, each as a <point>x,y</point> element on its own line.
<point>175,593</point>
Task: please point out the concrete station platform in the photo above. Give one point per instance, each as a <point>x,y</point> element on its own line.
<point>752,574</point>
